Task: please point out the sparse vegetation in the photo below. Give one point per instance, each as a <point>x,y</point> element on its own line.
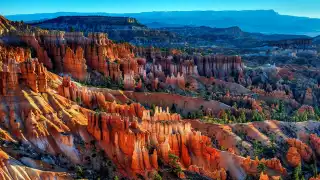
<point>279,113</point>
<point>176,168</point>
<point>297,174</point>
<point>157,176</point>
<point>79,171</point>
<point>262,167</point>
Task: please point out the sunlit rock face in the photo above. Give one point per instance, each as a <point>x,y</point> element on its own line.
<point>9,68</point>
<point>315,142</point>
<point>176,81</point>
<point>34,116</point>
<point>251,166</point>
<point>293,157</point>
<point>35,75</point>
<point>128,81</point>
<point>137,146</point>
<point>230,135</point>
<point>75,54</point>
<point>35,120</point>
<point>75,64</point>
<point>35,43</point>
<point>26,71</point>
<point>303,149</point>
<point>128,141</point>
<point>10,169</point>
<point>70,53</point>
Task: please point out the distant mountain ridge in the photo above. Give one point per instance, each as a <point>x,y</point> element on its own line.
<point>84,23</point>
<point>96,19</point>
<point>316,40</point>
<point>263,21</point>
<point>118,28</point>
<point>130,30</point>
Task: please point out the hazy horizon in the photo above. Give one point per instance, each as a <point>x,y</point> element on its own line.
<point>301,8</point>
<point>120,13</point>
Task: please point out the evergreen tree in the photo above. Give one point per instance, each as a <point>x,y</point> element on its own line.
<point>297,173</point>
<point>262,167</point>
<point>242,118</point>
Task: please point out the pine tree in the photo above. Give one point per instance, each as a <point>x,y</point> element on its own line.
<point>242,118</point>
<point>297,173</point>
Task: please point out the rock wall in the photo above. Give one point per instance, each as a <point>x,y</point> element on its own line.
<point>135,147</point>
<point>34,75</point>
<point>10,169</point>
<point>176,81</point>
<point>75,64</point>
<point>24,70</point>
<point>115,60</point>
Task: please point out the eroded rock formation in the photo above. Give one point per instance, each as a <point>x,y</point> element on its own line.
<point>127,141</point>
<point>34,75</point>
<point>315,142</point>
<point>304,150</point>
<point>293,157</point>
<point>75,64</point>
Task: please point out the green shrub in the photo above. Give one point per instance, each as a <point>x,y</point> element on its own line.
<point>157,177</point>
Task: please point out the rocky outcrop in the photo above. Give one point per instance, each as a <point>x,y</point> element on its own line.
<point>10,58</point>
<point>42,55</point>
<point>75,64</point>
<point>308,97</point>
<point>164,133</point>
<point>293,157</point>
<point>251,166</point>
<point>118,61</point>
<point>275,94</point>
<point>303,149</point>
<point>9,77</point>
<point>263,176</point>
<point>10,169</point>
<point>306,109</point>
<point>245,101</point>
<point>24,71</point>
<point>5,25</point>
<point>315,178</point>
<point>128,81</point>
<point>14,53</point>
<point>315,143</point>
<point>219,66</point>
<point>96,51</point>
<point>178,81</point>
<point>218,174</point>
<point>183,104</point>
<point>210,66</point>
<point>34,75</point>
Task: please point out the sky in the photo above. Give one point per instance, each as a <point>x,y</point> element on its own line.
<point>305,8</point>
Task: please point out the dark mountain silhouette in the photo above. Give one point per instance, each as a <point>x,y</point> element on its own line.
<point>130,30</point>
<point>263,21</point>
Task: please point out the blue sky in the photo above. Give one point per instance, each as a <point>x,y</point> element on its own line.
<point>307,8</point>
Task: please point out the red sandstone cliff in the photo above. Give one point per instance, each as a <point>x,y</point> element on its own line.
<point>75,64</point>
